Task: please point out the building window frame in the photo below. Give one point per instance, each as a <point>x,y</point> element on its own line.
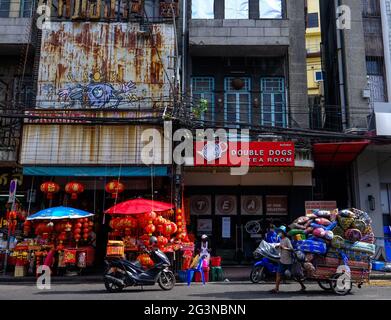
<point>238,94</point>
<point>275,93</point>
<point>208,94</point>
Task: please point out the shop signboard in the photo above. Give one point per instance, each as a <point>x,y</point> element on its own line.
<point>276,205</point>
<point>204,226</point>
<point>226,205</point>
<point>320,205</point>
<point>251,205</point>
<point>253,154</point>
<point>200,205</point>
<point>12,191</point>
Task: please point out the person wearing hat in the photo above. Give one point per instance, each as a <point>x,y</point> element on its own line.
<point>285,264</point>
<point>204,248</point>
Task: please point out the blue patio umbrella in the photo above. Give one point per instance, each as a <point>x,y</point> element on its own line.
<point>60,213</point>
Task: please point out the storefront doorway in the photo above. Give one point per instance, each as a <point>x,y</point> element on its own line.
<point>236,223</point>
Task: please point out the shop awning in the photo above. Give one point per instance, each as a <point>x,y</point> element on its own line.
<point>337,154</point>
<point>159,171</point>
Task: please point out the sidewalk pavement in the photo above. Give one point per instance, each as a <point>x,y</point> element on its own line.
<point>233,274</point>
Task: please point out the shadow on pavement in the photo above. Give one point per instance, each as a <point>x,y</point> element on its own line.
<point>246,295</point>
<point>103,291</point>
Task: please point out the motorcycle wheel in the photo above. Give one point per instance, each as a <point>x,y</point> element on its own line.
<point>112,287</point>
<point>257,274</point>
<point>166,280</point>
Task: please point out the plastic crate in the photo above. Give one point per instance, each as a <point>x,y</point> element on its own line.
<point>378,265</point>
<point>215,261</point>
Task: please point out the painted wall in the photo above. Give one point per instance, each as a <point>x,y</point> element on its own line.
<point>369,176</point>
<point>96,65</point>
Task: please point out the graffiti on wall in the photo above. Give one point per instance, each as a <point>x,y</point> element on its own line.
<point>97,94</point>
<point>97,65</point>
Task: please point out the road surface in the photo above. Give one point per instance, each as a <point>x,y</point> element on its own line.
<point>220,291</point>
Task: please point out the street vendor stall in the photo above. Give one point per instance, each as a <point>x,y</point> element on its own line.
<point>133,222</point>
<point>63,230</point>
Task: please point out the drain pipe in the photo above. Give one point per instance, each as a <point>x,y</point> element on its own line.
<point>341,72</point>
<point>386,44</point>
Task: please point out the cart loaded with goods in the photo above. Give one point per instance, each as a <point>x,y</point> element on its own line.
<point>335,248</point>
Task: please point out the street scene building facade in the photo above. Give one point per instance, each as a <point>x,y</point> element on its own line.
<point>78,93</point>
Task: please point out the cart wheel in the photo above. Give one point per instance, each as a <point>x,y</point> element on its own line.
<point>340,286</point>
<point>325,285</point>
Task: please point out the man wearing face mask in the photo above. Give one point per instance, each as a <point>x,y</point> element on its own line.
<point>286,261</point>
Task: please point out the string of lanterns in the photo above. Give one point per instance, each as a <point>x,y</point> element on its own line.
<point>74,188</point>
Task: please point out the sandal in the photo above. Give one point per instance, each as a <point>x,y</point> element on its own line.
<point>274,291</point>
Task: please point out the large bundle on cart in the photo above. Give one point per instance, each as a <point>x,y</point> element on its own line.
<point>335,243</point>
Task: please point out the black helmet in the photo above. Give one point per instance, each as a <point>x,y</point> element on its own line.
<point>152,240</point>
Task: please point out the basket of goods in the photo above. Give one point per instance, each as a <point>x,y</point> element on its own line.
<point>115,249</point>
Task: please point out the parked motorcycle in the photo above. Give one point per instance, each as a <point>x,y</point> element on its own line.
<point>267,257</point>
<point>121,273</point>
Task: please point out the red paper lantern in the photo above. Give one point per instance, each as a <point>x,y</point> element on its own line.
<point>60,247</point>
<point>86,230</point>
<point>114,187</point>
<point>77,231</point>
<point>50,188</point>
<point>62,236</point>
<point>150,229</point>
<point>150,216</point>
<point>167,229</point>
<point>74,188</point>
<point>162,241</point>
<point>174,227</point>
<point>85,236</point>
<point>77,237</point>
<point>12,215</point>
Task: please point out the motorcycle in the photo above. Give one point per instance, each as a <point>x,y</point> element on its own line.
<point>267,257</point>
<point>121,273</point>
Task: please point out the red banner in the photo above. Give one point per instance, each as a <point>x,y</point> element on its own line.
<point>253,154</point>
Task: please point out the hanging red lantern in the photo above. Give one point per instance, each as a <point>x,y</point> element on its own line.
<point>150,216</point>
<point>150,229</point>
<point>145,260</point>
<point>74,188</point>
<point>167,229</point>
<point>174,227</point>
<point>115,187</point>
<point>162,241</point>
<point>50,188</point>
<point>160,228</point>
<point>12,215</point>
<point>77,237</point>
<point>62,236</point>
<point>85,236</point>
<point>60,247</point>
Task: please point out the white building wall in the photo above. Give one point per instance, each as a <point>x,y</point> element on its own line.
<point>368,184</point>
